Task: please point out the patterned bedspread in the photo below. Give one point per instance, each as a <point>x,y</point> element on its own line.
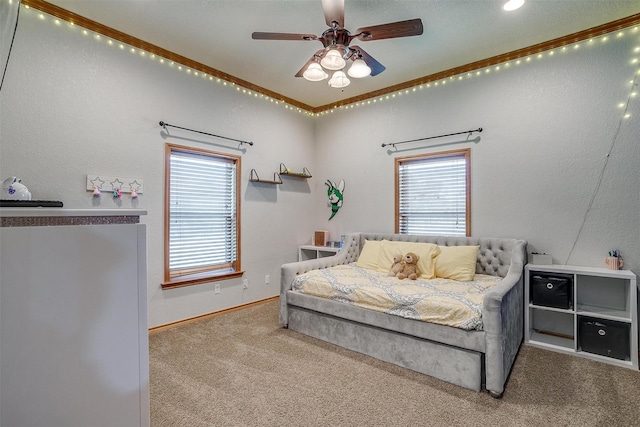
<point>444,301</point>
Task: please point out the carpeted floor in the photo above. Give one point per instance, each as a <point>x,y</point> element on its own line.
<point>243,369</point>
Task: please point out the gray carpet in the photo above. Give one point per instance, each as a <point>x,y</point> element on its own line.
<point>243,369</point>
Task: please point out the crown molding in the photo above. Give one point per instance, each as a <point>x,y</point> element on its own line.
<point>494,60</point>
<point>114,34</point>
<point>96,27</point>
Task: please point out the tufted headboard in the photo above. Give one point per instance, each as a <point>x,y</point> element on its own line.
<point>494,256</point>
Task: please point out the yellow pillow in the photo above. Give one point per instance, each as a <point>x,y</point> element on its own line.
<point>370,254</point>
<point>457,262</point>
<point>426,251</point>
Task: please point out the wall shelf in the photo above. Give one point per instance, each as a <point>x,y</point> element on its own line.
<point>286,171</point>
<point>253,177</point>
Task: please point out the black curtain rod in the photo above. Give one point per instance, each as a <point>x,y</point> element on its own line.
<point>164,125</point>
<point>393,144</point>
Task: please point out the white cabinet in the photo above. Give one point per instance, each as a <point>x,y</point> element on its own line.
<point>74,336</point>
<point>306,252</point>
<point>598,299</point>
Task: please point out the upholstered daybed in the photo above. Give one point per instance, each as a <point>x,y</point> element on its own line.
<point>476,353</point>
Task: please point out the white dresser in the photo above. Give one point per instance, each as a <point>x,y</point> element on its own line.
<point>73,318</point>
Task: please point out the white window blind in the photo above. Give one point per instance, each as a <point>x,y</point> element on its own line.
<point>202,209</point>
<point>432,195</point>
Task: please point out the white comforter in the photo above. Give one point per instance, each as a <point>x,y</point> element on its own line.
<point>443,301</point>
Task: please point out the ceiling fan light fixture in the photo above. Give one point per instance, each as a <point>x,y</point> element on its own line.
<point>359,69</point>
<point>339,80</point>
<point>314,73</point>
<point>333,60</point>
<point>513,5</point>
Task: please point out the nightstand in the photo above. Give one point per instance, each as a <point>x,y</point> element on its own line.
<point>306,252</point>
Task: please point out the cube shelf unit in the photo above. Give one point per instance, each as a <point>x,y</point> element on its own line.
<point>306,252</point>
<point>597,294</point>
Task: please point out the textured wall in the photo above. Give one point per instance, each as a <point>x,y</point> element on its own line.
<point>548,126</point>
<point>73,105</point>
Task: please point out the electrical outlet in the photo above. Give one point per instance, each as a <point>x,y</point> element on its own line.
<point>245,283</point>
<point>216,289</point>
<point>267,279</point>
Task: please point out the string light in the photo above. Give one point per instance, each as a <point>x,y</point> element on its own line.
<point>471,74</point>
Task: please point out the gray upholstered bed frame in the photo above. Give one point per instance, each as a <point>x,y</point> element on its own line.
<point>471,359</point>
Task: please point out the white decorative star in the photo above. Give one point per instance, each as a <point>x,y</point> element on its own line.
<point>114,184</point>
<point>95,182</point>
<point>135,185</point>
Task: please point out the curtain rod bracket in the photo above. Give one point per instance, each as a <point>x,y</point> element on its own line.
<point>164,125</point>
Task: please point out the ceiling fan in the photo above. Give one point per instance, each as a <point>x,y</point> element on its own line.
<point>337,49</point>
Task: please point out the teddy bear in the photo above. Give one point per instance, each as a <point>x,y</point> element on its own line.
<point>410,267</point>
<point>396,266</point>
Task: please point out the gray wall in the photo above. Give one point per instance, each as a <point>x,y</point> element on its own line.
<point>548,126</point>
<point>73,105</point>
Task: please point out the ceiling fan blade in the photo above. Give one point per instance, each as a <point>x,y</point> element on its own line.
<point>316,57</point>
<point>282,36</point>
<point>376,67</point>
<point>412,27</point>
<point>333,11</point>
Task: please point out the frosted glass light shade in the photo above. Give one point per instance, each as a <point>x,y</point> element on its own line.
<point>359,69</point>
<point>333,60</point>
<point>512,5</point>
<point>314,73</point>
<point>339,80</point>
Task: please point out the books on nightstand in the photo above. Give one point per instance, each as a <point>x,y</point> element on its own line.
<point>320,238</point>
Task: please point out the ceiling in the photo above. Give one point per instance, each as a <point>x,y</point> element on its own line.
<point>217,33</point>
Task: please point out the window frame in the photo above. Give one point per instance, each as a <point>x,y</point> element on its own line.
<point>204,274</point>
<point>465,152</point>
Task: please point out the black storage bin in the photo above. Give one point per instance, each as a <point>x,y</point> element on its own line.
<point>551,289</point>
<point>604,337</point>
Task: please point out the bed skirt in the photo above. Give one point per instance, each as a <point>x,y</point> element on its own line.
<point>448,363</point>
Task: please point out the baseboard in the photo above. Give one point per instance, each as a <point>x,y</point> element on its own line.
<point>210,315</point>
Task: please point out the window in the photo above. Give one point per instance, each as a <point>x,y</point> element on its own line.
<point>432,194</point>
<point>202,216</point>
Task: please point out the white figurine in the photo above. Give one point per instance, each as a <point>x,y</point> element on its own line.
<point>12,189</point>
